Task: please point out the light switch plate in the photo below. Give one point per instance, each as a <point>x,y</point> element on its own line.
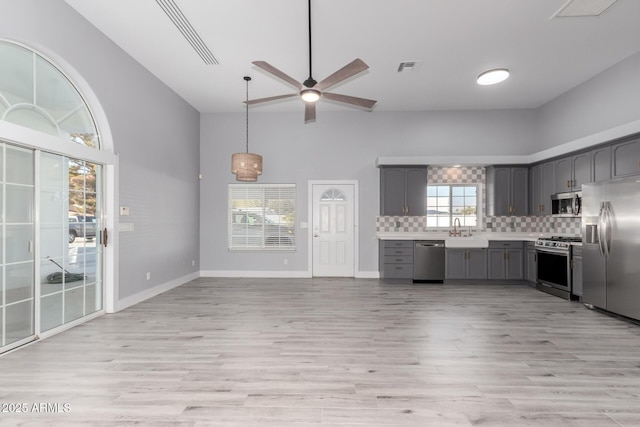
<point>124,210</point>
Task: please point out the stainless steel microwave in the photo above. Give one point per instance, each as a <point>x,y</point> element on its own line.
<point>566,204</point>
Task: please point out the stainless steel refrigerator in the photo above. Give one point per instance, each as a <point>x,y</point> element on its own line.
<point>611,245</point>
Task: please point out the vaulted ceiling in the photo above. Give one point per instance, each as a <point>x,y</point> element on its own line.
<point>452,41</point>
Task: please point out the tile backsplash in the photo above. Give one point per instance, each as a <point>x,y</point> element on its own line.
<point>499,224</point>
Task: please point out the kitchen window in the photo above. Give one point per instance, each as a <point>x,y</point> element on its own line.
<point>446,202</point>
<point>261,217</point>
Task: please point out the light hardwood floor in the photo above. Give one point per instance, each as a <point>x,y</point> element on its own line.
<point>334,352</point>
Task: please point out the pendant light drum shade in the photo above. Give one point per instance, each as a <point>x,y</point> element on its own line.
<point>246,166</point>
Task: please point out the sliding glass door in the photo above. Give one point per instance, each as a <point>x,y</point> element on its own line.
<point>17,247</point>
<point>67,282</point>
<point>70,232</point>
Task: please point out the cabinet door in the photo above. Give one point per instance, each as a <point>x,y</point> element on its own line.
<point>626,158</point>
<point>577,275</point>
<point>519,191</point>
<point>496,264</point>
<point>514,266</point>
<point>532,265</point>
<point>416,191</point>
<point>581,166</point>
<point>476,263</point>
<point>548,181</point>
<point>562,170</point>
<point>535,190</point>
<point>456,264</point>
<point>391,191</point>
<point>601,163</point>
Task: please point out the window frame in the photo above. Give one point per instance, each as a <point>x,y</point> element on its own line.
<point>273,231</point>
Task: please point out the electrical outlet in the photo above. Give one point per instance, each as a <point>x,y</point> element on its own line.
<point>148,275</point>
<point>286,261</point>
<point>193,263</point>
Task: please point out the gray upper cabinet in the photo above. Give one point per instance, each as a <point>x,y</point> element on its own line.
<point>582,170</point>
<point>542,187</point>
<point>507,190</point>
<point>571,172</point>
<point>403,190</point>
<point>601,163</point>
<point>626,158</point>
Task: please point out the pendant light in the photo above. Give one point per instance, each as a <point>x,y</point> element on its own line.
<point>246,166</point>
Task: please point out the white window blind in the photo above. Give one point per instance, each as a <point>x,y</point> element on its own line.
<point>262,217</point>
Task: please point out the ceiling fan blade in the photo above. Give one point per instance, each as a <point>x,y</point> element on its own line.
<point>309,112</point>
<point>279,74</point>
<point>270,98</point>
<point>351,69</point>
<point>352,100</point>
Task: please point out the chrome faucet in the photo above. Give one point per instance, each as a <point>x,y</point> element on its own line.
<point>455,231</point>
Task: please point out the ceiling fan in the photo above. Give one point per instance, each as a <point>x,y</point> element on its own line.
<point>310,91</point>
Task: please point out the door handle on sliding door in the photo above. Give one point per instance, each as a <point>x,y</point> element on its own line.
<point>105,237</point>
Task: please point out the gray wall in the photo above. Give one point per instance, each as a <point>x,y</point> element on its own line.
<point>340,145</point>
<point>606,101</point>
<point>155,132</point>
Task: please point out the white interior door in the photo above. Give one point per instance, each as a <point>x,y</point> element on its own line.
<point>333,230</point>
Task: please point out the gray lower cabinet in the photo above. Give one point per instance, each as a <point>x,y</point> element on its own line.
<point>531,263</point>
<point>505,260</point>
<point>576,266</point>
<point>466,264</point>
<point>396,259</point>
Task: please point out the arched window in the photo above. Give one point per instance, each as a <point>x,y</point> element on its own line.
<point>35,94</point>
<point>333,194</point>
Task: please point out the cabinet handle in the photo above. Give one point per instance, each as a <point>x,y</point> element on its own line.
<point>535,257</point>
<point>398,268</point>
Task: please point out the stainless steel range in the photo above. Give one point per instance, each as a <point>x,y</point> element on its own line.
<point>555,265</point>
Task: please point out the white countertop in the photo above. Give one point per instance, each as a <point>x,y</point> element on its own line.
<point>430,235</point>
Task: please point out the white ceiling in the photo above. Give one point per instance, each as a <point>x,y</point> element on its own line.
<point>455,39</point>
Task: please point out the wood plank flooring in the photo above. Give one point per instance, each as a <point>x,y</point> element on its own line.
<point>333,352</point>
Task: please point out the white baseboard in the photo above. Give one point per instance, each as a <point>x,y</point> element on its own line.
<point>256,274</point>
<point>156,290</point>
<point>278,274</point>
<point>367,275</point>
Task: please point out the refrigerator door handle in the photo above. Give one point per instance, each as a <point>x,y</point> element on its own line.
<point>600,229</point>
<point>608,229</point>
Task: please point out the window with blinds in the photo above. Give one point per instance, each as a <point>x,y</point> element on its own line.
<point>262,217</point>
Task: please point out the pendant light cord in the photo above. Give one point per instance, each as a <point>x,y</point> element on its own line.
<point>247,79</point>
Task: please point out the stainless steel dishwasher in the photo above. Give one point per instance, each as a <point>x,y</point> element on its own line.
<point>428,261</point>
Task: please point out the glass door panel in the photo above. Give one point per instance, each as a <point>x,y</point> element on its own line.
<point>71,254</point>
<point>17,246</point>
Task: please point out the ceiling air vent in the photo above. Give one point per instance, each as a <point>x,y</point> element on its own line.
<point>184,26</point>
<point>409,66</point>
<point>580,8</point>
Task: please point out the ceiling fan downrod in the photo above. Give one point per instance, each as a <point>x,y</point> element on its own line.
<point>310,82</point>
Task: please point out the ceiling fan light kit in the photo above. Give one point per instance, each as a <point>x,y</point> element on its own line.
<point>492,77</point>
<point>310,95</point>
<point>246,166</point>
<point>310,91</point>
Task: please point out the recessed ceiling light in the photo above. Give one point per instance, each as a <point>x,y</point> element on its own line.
<point>492,77</point>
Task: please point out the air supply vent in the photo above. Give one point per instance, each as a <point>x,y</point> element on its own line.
<point>409,66</point>
<point>184,26</point>
<point>580,8</point>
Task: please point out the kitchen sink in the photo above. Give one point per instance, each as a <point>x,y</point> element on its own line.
<point>466,242</point>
